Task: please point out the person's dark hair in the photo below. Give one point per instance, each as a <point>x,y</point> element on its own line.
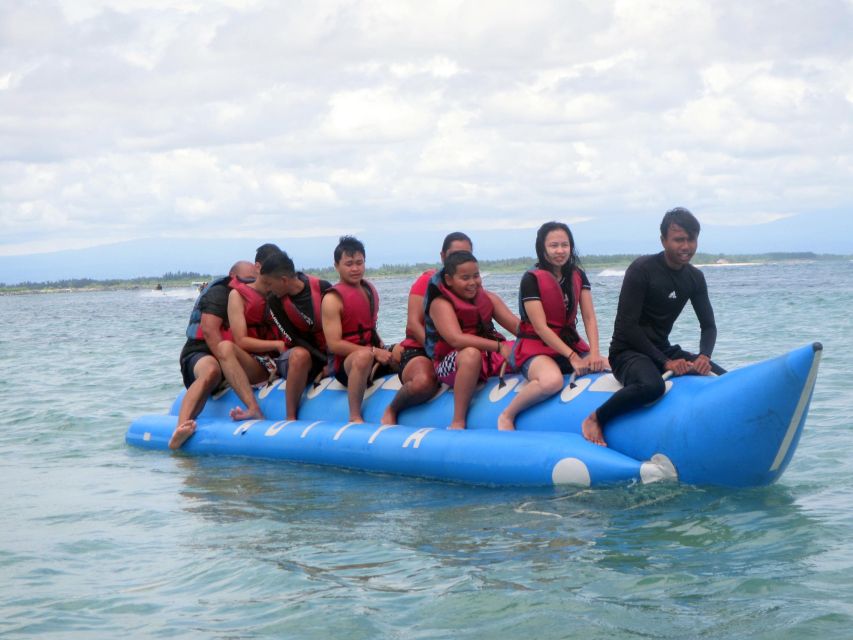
<point>456,236</point>
<point>452,262</point>
<point>683,218</point>
<point>265,251</point>
<point>542,261</point>
<point>350,246</point>
<point>278,264</point>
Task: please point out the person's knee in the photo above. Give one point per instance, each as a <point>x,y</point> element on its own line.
<point>651,390</point>
<point>226,349</point>
<point>209,374</point>
<point>551,383</point>
<point>422,382</point>
<point>361,360</point>
<point>468,357</point>
<point>299,358</point>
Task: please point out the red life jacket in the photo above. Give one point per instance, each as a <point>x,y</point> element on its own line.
<point>255,308</point>
<point>314,329</point>
<point>475,318</point>
<point>410,342</point>
<point>359,313</point>
<point>561,320</point>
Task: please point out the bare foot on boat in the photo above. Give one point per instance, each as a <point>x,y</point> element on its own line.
<point>456,426</point>
<point>591,430</point>
<point>389,417</point>
<point>182,433</point>
<point>504,423</point>
<point>356,420</point>
<point>239,413</point>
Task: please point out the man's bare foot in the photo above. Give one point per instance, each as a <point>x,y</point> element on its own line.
<point>182,433</point>
<point>505,424</point>
<point>239,413</point>
<point>456,426</point>
<point>591,430</point>
<point>389,417</point>
<point>356,420</point>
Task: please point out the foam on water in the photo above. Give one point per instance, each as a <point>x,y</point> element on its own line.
<point>100,540</point>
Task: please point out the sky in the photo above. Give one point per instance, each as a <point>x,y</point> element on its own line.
<point>159,119</point>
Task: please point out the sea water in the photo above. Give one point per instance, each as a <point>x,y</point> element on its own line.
<point>99,540</point>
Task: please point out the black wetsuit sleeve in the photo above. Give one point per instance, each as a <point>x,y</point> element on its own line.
<point>705,313</point>
<point>584,280</point>
<point>632,298</point>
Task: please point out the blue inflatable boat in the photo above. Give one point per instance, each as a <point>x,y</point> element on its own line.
<point>737,430</point>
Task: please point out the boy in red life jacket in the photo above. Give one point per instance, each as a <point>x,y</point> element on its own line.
<point>295,311</point>
<point>460,337</point>
<point>416,371</point>
<point>350,310</point>
<point>247,315</point>
<point>548,343</point>
<point>209,354</point>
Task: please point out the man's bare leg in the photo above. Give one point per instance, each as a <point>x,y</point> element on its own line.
<point>419,385</point>
<point>298,368</point>
<point>357,366</point>
<point>241,370</point>
<point>208,375</point>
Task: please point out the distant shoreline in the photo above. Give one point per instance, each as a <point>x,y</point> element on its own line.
<point>511,265</point>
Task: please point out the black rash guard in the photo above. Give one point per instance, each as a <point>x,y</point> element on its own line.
<point>215,302</point>
<point>652,298</point>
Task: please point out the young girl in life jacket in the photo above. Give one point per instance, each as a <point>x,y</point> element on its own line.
<point>464,345</point>
<point>548,343</point>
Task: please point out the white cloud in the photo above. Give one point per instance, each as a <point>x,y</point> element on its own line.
<point>139,118</point>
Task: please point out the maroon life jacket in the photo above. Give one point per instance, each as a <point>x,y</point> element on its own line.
<point>359,313</point>
<point>561,320</point>
<point>410,342</point>
<point>255,307</point>
<point>475,318</point>
<point>300,322</point>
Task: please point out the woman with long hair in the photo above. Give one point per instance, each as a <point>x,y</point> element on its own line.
<point>548,344</point>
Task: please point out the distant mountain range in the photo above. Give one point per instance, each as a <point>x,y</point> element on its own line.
<point>820,233</point>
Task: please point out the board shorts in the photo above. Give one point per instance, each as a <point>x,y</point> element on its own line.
<point>490,365</point>
<point>268,363</point>
<point>383,370</point>
<point>188,364</point>
<point>562,362</point>
<point>283,366</point>
<point>409,354</point>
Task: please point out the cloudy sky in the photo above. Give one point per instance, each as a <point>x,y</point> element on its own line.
<point>158,118</point>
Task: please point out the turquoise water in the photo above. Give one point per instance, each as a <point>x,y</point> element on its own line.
<point>99,540</point>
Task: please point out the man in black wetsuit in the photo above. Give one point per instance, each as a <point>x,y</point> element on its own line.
<point>654,292</point>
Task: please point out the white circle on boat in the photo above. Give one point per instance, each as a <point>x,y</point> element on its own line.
<point>570,394</point>
<point>499,392</point>
<point>570,471</point>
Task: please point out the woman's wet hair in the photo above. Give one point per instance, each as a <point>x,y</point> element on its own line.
<point>350,246</point>
<point>456,236</point>
<point>278,264</point>
<point>573,261</point>
<point>683,218</point>
<point>452,262</point>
